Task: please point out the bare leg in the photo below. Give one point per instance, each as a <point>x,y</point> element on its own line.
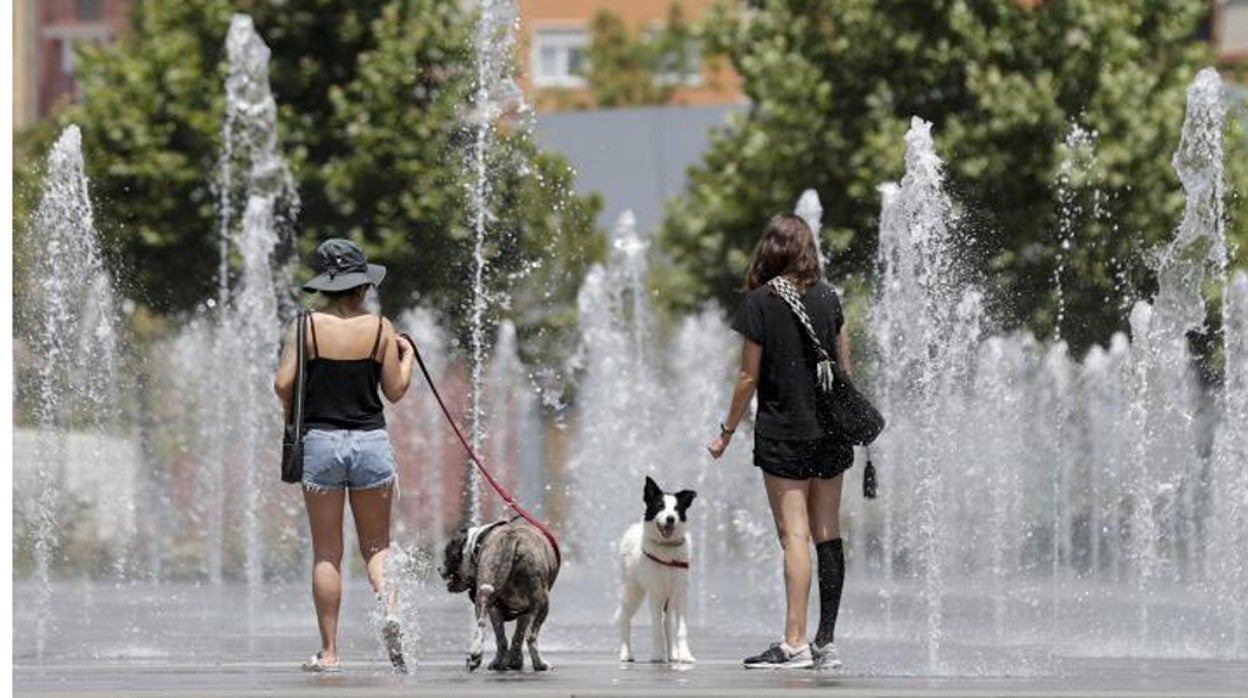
<point>325,520</point>
<point>788,499</point>
<point>631,596</point>
<point>371,510</point>
<point>824,509</point>
<point>539,617</point>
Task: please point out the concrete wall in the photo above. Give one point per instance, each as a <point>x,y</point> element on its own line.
<point>96,475</point>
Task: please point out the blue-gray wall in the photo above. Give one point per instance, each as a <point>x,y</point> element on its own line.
<point>636,158</point>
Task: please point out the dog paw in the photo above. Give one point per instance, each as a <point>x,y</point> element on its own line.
<point>515,662</point>
<point>684,658</point>
<point>626,655</point>
<point>540,664</point>
<point>499,663</point>
<point>474,661</point>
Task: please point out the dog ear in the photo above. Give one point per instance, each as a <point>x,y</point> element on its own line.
<point>684,499</point>
<point>652,491</point>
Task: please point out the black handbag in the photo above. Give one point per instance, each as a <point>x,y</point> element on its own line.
<point>844,412</point>
<point>292,438</point>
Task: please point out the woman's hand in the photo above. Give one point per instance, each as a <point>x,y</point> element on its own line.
<point>405,349</point>
<point>718,445</point>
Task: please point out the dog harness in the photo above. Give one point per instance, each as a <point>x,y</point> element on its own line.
<point>472,547</point>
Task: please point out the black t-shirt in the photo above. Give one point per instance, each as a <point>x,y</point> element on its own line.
<point>786,381</point>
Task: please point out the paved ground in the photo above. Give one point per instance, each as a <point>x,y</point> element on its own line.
<point>191,640</point>
<point>583,677</point>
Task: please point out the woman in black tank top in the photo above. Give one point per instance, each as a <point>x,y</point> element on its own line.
<point>801,466</point>
<point>352,356</point>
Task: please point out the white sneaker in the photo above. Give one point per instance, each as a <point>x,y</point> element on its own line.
<point>826,657</point>
<point>317,665</point>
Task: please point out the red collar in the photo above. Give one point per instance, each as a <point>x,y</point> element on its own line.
<point>682,564</point>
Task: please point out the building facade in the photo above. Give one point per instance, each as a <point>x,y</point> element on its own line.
<point>47,34</point>
<point>554,36</point>
<point>1229,30</point>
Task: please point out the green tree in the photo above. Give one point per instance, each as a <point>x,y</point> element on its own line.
<point>372,98</point>
<point>832,86</point>
<point>638,68</point>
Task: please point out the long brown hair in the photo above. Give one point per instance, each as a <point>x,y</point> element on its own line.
<point>787,248</point>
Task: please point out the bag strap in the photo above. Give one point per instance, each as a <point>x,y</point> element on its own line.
<point>301,350</point>
<point>824,369</point>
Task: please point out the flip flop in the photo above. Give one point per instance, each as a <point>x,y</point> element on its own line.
<point>317,665</point>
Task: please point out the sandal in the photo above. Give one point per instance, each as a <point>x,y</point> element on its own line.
<point>317,665</point>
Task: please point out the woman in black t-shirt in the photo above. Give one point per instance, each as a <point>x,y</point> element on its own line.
<point>801,466</point>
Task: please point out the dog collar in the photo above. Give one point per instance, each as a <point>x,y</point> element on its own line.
<point>472,546</point>
<point>680,564</point>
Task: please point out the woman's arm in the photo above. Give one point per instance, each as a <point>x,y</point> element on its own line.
<point>842,352</point>
<point>284,379</point>
<point>747,382</point>
<point>396,364</point>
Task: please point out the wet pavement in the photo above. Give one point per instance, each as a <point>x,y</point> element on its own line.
<point>197,640</point>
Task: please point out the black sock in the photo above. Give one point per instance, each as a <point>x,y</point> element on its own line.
<point>831,555</point>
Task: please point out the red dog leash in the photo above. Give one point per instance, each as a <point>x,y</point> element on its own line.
<point>508,499</point>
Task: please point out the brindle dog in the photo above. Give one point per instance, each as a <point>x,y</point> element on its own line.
<point>508,569</point>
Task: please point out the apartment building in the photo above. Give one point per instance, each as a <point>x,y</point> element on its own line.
<point>554,36</point>
<point>47,34</point>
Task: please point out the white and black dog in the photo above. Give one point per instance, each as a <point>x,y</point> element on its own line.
<point>656,555</point>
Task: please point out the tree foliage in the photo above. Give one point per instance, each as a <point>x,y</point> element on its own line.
<point>832,86</point>
<point>631,67</point>
<point>373,99</point>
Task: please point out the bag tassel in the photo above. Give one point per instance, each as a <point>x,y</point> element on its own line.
<point>826,375</point>
<point>869,487</point>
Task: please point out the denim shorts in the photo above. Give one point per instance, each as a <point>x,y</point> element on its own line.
<point>337,458</point>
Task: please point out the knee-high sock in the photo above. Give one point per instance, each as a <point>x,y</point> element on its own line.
<point>831,578</point>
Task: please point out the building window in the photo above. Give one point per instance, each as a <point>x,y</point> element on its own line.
<point>558,58</point>
<point>1233,32</point>
<point>678,69</point>
<point>68,58</point>
<point>90,9</point>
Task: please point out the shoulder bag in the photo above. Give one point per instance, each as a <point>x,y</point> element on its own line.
<point>292,438</point>
<point>844,412</point>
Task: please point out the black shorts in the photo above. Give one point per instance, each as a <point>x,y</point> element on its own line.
<point>801,460</point>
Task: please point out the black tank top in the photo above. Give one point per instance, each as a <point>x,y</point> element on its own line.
<point>342,393</point>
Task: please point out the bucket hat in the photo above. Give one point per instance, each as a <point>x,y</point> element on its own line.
<point>341,265</point>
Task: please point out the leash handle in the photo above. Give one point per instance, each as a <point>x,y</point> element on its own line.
<point>506,496</point>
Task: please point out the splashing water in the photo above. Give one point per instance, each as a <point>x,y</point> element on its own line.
<point>1031,504</point>
<point>1086,474</point>
<point>71,328</point>
<point>810,210</point>
<point>1228,548</point>
<point>496,95</point>
<point>925,324</point>
<point>1076,167</point>
<point>236,442</point>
